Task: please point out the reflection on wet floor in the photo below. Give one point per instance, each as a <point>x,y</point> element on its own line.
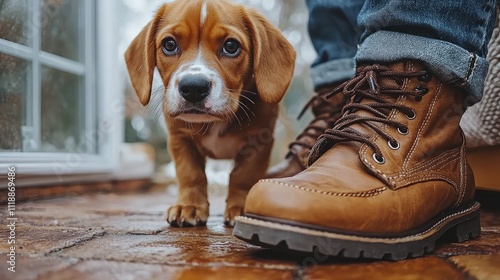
<point>125,237</point>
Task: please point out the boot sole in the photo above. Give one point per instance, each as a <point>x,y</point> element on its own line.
<point>459,225</point>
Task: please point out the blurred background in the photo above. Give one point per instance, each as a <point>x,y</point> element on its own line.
<point>68,112</point>
<point>66,103</point>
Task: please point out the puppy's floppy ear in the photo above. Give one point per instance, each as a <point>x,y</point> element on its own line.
<point>141,58</point>
<point>273,58</point>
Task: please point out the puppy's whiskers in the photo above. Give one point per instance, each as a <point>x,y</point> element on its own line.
<point>157,103</point>
<point>243,107</point>
<point>247,98</point>
<point>251,92</point>
<point>206,129</point>
<point>191,129</point>
<point>198,132</point>
<point>235,117</point>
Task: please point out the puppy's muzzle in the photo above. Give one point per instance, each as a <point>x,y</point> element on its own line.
<point>194,88</point>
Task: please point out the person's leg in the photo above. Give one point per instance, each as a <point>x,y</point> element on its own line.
<point>336,47</point>
<point>391,176</point>
<point>335,35</point>
<point>449,37</point>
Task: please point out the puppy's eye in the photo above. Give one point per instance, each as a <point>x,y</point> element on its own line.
<point>232,48</point>
<point>169,46</point>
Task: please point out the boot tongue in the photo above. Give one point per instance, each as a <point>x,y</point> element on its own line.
<point>374,82</point>
<point>379,82</point>
<point>391,82</point>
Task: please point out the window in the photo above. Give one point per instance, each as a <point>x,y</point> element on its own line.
<point>51,87</point>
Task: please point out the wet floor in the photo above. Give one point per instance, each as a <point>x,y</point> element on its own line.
<point>111,236</point>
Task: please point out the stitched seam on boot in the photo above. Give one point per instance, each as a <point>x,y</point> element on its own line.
<point>416,176</point>
<point>373,168</point>
<point>424,124</point>
<point>430,177</point>
<point>451,159</point>
<point>463,174</point>
<point>436,162</point>
<point>462,171</point>
<point>426,165</point>
<point>440,176</point>
<point>420,177</point>
<point>400,238</point>
<point>355,194</point>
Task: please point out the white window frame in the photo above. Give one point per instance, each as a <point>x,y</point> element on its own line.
<point>103,98</point>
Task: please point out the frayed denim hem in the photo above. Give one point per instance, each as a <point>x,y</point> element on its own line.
<point>450,63</point>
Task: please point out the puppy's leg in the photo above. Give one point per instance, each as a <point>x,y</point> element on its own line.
<point>191,208</point>
<point>250,166</point>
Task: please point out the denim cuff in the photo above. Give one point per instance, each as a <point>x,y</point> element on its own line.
<point>334,71</point>
<point>449,62</point>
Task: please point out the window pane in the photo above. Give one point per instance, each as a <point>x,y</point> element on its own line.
<point>14,88</point>
<point>63,112</point>
<point>63,28</point>
<point>14,21</point>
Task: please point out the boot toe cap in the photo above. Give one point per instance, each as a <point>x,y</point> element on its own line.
<point>379,210</point>
<point>279,200</point>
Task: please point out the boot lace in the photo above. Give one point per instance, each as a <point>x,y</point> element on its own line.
<point>366,86</point>
<point>324,111</point>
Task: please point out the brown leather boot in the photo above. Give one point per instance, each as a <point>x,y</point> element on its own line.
<point>387,181</point>
<point>326,113</point>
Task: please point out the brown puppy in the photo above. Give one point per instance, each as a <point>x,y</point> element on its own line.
<point>225,68</point>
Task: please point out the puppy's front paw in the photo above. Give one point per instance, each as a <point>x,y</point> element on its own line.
<point>232,213</point>
<point>187,216</point>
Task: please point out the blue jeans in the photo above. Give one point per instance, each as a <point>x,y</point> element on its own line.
<point>449,36</point>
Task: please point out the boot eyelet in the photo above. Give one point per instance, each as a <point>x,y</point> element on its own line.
<point>422,90</point>
<point>378,160</point>
<point>403,130</point>
<point>425,77</point>
<point>399,81</point>
<point>412,115</point>
<point>394,145</point>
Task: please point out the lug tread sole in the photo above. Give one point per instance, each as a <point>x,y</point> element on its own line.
<point>459,226</point>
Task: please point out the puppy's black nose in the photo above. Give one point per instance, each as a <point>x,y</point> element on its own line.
<point>194,88</point>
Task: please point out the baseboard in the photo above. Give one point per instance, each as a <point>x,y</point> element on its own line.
<point>53,191</point>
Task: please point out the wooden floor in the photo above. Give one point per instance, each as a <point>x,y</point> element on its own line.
<point>112,236</point>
